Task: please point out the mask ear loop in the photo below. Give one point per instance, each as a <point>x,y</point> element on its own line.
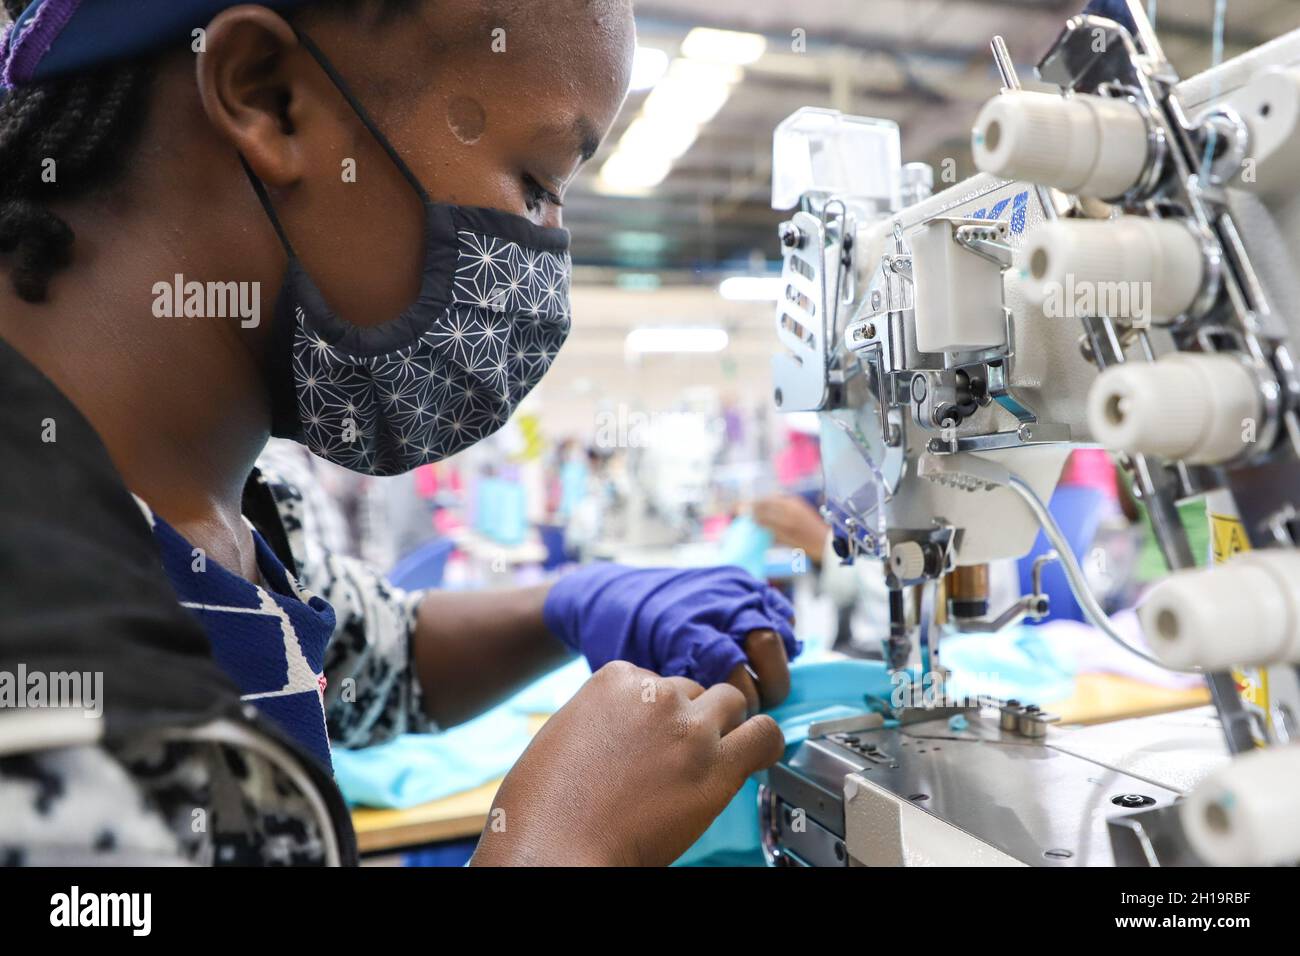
<point>310,46</point>
<point>259,188</point>
<point>371,126</point>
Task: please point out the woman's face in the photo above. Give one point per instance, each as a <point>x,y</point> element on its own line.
<point>506,115</point>
<point>489,107</point>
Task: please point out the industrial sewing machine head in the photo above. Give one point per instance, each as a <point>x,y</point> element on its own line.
<point>1122,272</point>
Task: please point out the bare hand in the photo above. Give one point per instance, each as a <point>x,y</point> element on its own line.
<point>629,773</point>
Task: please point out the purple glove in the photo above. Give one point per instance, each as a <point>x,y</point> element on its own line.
<point>676,623</point>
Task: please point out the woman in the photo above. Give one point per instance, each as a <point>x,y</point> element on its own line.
<point>336,221</point>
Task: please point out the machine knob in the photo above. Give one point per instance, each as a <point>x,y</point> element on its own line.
<point>907,561</point>
<point>1270,105</point>
<point>1195,407</point>
<point>1131,268</point>
<point>1088,145</point>
<point>1244,813</point>
<point>1242,613</point>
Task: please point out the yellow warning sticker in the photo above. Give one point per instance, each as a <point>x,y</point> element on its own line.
<point>1253,686</point>
<point>1228,536</point>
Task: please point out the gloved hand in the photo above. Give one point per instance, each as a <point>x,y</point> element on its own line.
<point>704,624</point>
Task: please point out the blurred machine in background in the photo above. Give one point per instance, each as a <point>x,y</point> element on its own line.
<point>1123,272</point>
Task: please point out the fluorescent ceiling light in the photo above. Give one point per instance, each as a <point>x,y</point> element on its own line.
<point>632,173</point>
<point>659,134</point>
<point>723,46</point>
<point>681,339</point>
<point>648,68</point>
<point>692,92</point>
<point>753,289</point>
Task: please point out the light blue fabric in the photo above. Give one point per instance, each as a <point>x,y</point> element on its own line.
<point>550,693</point>
<point>819,690</point>
<point>744,544</point>
<point>501,512</point>
<point>573,487</point>
<point>1019,662</point>
<point>417,768</point>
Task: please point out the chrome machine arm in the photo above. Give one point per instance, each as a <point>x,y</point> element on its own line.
<point>1122,272</point>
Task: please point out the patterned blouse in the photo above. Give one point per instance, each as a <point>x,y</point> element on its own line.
<point>217,802</point>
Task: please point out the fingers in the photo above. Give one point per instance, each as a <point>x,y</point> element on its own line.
<point>722,706</point>
<point>753,746</point>
<point>767,509</point>
<point>764,512</point>
<point>766,653</point>
<point>741,680</point>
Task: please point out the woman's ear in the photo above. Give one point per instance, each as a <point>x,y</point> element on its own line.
<point>250,84</point>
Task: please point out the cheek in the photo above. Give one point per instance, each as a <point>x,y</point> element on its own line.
<point>477,175</point>
<point>474,178</point>
<point>465,155</point>
<point>466,119</point>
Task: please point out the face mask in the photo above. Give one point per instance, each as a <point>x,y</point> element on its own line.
<point>492,313</point>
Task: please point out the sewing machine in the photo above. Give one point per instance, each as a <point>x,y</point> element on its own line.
<point>1123,272</point>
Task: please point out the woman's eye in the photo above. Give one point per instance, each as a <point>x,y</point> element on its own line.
<point>536,195</point>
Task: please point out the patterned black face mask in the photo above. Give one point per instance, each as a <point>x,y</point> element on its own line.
<point>492,313</point>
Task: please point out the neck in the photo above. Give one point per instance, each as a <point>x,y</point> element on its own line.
<point>178,402</point>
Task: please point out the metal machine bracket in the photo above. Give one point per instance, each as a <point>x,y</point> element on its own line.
<point>799,372</point>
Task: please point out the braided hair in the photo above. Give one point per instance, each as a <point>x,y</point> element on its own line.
<point>60,140</point>
<point>64,139</point>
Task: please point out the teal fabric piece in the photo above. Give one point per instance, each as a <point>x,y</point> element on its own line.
<point>501,511</point>
<point>819,690</point>
<point>550,693</point>
<point>744,544</point>
<point>573,487</point>
<point>417,768</point>
<point>1019,662</point>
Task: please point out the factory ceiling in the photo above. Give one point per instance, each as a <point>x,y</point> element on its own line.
<point>923,63</point>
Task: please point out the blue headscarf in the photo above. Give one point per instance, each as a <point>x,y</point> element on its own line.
<point>52,38</point>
